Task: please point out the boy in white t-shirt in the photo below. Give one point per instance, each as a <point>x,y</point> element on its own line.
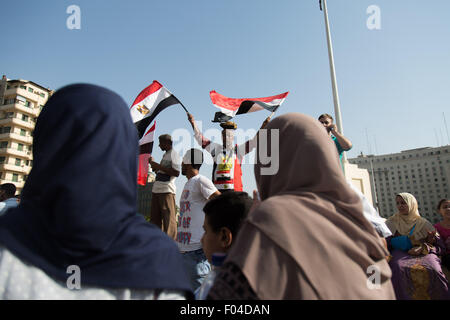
<point>196,192</point>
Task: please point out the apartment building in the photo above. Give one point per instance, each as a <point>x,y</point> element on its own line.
<point>423,172</point>
<point>21,101</point>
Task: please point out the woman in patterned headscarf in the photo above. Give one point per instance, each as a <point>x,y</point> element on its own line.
<point>415,246</point>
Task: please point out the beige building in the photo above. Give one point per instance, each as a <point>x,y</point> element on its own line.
<point>423,172</point>
<point>21,101</point>
<point>360,179</point>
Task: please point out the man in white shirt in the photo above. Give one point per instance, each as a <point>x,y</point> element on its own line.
<point>7,192</point>
<point>196,192</point>
<point>163,209</point>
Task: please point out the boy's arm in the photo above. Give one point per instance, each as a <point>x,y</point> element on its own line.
<point>345,143</point>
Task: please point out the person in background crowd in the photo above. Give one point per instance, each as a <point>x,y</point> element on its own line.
<point>7,192</point>
<point>341,142</point>
<point>196,192</point>
<point>443,228</point>
<point>223,218</point>
<point>308,238</point>
<point>227,172</point>
<point>372,215</point>
<point>415,246</point>
<point>163,208</point>
<point>76,226</point>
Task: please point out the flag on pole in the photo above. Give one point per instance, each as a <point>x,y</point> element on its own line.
<point>231,107</point>
<point>145,150</point>
<point>149,103</point>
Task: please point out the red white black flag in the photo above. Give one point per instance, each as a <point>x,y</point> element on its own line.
<point>147,105</point>
<point>145,150</point>
<point>151,101</point>
<point>231,107</point>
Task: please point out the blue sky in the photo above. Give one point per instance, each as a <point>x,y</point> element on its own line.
<point>393,82</point>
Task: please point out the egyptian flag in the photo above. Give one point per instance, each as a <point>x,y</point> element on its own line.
<point>145,150</point>
<point>151,101</point>
<point>231,107</point>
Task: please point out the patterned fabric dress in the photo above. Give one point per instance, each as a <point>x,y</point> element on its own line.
<point>418,277</point>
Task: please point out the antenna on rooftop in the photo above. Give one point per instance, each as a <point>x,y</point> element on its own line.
<point>368,144</point>
<point>375,142</point>
<point>437,140</point>
<point>446,128</point>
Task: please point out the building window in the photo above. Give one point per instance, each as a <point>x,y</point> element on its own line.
<point>23,87</point>
<point>42,95</point>
<point>5,130</point>
<point>15,177</point>
<point>2,160</point>
<point>22,132</point>
<point>10,115</point>
<point>30,89</point>
<point>24,118</point>
<point>18,162</point>
<point>20,147</point>
<point>4,144</point>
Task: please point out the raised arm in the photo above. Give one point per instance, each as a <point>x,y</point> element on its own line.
<point>249,145</point>
<point>343,141</point>
<point>204,142</point>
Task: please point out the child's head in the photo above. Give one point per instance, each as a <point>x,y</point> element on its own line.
<point>444,208</point>
<point>223,218</point>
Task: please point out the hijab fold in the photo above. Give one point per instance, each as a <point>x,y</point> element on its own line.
<point>78,206</point>
<point>309,232</point>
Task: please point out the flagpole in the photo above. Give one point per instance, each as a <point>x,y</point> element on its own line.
<point>337,109</point>
<point>183,107</point>
<point>180,103</point>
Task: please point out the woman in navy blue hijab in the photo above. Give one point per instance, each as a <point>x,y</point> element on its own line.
<point>78,206</point>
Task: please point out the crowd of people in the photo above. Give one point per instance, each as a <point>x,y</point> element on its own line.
<point>307,232</point>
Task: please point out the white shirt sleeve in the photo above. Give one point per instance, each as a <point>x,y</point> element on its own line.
<point>371,214</point>
<point>176,161</point>
<point>207,188</point>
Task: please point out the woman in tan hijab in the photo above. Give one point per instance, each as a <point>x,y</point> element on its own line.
<point>308,238</point>
<point>415,247</point>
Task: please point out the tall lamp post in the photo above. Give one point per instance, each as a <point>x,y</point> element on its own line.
<point>337,108</point>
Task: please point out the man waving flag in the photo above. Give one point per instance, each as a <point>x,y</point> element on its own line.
<point>147,105</point>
